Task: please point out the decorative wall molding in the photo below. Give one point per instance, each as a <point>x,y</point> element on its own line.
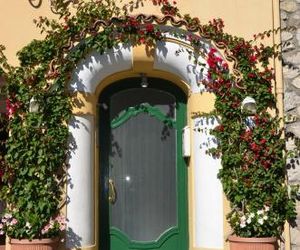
<point>37,4</point>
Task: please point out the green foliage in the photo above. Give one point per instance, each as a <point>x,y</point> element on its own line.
<point>253,174</point>
<point>3,139</point>
<point>251,145</point>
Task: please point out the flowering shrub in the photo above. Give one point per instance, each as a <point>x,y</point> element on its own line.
<point>24,229</point>
<point>249,223</point>
<point>54,227</point>
<point>250,145</point>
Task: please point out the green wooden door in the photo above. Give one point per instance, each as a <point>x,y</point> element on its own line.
<point>143,203</point>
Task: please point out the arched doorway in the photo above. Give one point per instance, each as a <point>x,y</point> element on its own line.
<point>97,73</point>
<point>143,176</point>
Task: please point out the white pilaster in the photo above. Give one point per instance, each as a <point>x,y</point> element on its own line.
<point>80,208</point>
<point>208,189</point>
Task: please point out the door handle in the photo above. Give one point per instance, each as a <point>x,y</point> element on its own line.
<point>112,194</point>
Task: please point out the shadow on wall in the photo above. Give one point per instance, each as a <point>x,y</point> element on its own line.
<point>73,240</point>
<point>95,66</point>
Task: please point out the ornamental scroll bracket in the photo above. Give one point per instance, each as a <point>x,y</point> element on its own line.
<point>53,4</point>
<point>35,3</point>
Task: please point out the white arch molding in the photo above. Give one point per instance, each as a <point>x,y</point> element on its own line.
<point>89,73</point>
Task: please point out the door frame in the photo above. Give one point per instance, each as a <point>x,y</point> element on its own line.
<point>181,171</point>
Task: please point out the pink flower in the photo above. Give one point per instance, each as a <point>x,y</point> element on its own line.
<point>11,108</point>
<point>14,221</point>
<point>47,227</point>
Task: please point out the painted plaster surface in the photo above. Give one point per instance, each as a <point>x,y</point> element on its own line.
<point>208,188</point>
<point>290,17</point>
<point>80,207</point>
<point>174,58</point>
<point>17,28</point>
<point>95,67</point>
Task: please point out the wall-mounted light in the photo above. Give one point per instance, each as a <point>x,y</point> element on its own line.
<point>144,82</point>
<point>249,108</point>
<point>249,105</point>
<point>33,105</point>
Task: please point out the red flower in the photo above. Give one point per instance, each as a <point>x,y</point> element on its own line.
<point>142,40</point>
<point>263,141</point>
<point>270,89</point>
<point>246,136</point>
<point>149,28</point>
<point>212,51</point>
<point>254,147</point>
<point>225,66</point>
<point>11,108</point>
<point>256,120</point>
<point>211,62</point>
<point>251,75</point>
<point>266,164</point>
<point>253,58</point>
<point>158,34</point>
<point>220,128</point>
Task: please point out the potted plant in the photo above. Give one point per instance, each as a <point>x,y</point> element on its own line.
<point>250,145</point>
<point>32,237</point>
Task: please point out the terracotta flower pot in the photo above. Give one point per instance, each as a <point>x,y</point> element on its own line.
<point>38,244</point>
<point>240,243</point>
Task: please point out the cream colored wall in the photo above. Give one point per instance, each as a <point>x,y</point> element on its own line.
<point>16,24</point>
<point>242,18</point>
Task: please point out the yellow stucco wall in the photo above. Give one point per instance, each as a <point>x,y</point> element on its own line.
<point>242,17</point>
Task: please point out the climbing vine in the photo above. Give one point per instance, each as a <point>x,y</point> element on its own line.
<point>253,164</point>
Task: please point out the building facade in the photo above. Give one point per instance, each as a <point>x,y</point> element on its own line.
<point>165,87</point>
